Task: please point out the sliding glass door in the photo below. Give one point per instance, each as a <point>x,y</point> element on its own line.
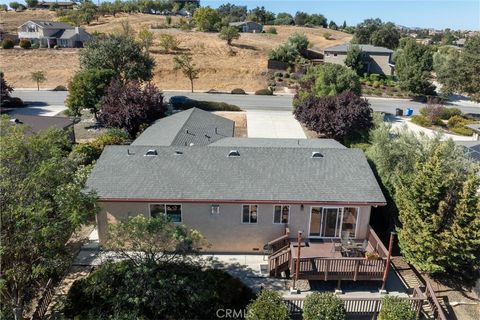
<point>325,222</point>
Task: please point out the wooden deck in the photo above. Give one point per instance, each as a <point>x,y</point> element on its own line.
<point>320,261</point>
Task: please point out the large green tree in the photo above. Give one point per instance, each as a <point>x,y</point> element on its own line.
<point>434,185</point>
<point>460,71</point>
<point>354,58</point>
<point>206,19</point>
<point>42,204</point>
<point>86,90</point>
<point>328,80</point>
<point>377,33</point>
<point>413,65</point>
<point>121,54</point>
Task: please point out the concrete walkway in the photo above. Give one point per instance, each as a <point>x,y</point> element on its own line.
<point>273,124</point>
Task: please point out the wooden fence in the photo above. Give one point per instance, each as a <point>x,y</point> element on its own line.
<point>357,307</point>
<point>44,301</point>
<point>437,310</point>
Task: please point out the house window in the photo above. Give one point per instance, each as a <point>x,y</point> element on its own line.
<point>349,222</point>
<point>249,213</point>
<point>281,214</point>
<point>172,211</point>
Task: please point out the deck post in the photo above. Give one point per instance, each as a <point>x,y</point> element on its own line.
<point>297,263</point>
<point>387,267</point>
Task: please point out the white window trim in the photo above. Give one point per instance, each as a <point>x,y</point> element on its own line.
<point>341,220</point>
<point>281,207</point>
<point>165,209</point>
<point>249,213</point>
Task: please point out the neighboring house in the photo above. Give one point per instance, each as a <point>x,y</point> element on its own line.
<point>247,26</point>
<point>39,123</point>
<point>377,59</point>
<point>460,42</point>
<point>476,130</point>
<point>187,128</point>
<point>240,193</point>
<point>50,33</point>
<point>57,4</point>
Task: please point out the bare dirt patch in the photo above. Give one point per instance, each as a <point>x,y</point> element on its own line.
<point>242,65</point>
<point>240,119</point>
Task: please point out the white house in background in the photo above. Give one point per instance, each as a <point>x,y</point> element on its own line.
<point>51,33</point>
<point>247,26</point>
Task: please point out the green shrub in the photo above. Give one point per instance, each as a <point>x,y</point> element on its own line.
<point>207,105</point>
<point>34,46</point>
<point>286,75</point>
<point>421,120</point>
<point>268,305</point>
<point>264,92</point>
<point>278,74</point>
<point>456,121</point>
<point>272,30</point>
<point>368,83</point>
<point>25,44</point>
<point>376,84</point>
<point>60,88</point>
<point>461,130</point>
<point>7,43</point>
<point>126,290</point>
<point>323,306</point>
<point>396,308</point>
<point>450,112</point>
<point>86,153</point>
<point>237,91</point>
<point>374,77</point>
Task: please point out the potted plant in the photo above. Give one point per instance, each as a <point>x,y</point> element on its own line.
<point>371,255</point>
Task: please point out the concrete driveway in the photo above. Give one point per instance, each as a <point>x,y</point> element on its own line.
<point>273,124</point>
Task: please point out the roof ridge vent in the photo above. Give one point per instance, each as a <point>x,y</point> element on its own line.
<point>234,153</point>
<point>317,154</point>
<point>151,152</point>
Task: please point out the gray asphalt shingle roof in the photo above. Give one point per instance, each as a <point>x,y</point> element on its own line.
<point>52,24</point>
<point>258,174</point>
<point>184,128</point>
<point>365,48</point>
<point>474,126</point>
<point>278,143</point>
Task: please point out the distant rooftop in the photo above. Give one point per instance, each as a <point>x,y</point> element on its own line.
<point>474,126</point>
<point>190,127</point>
<point>38,123</point>
<point>365,48</point>
<point>51,24</point>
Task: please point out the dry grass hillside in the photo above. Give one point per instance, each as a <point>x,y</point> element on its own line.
<point>220,69</point>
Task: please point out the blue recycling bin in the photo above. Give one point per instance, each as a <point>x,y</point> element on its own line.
<point>409,112</point>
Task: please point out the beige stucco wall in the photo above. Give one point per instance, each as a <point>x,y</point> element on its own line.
<point>225,232</point>
<point>379,63</point>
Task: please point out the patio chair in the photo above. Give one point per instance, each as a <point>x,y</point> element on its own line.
<point>337,247</point>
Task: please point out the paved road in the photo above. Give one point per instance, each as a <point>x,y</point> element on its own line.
<point>247,102</point>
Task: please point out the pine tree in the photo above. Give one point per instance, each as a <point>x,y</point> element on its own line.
<point>462,240</point>
<point>423,205</point>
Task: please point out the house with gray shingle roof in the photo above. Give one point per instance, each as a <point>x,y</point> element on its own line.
<point>377,59</point>
<point>51,33</point>
<point>187,128</point>
<point>240,193</point>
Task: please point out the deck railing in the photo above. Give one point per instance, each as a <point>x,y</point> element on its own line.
<point>279,262</point>
<point>357,307</point>
<point>346,268</point>
<point>432,300</point>
<point>376,243</point>
<point>280,243</point>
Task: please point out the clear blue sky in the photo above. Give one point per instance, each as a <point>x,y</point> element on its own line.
<point>439,14</point>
